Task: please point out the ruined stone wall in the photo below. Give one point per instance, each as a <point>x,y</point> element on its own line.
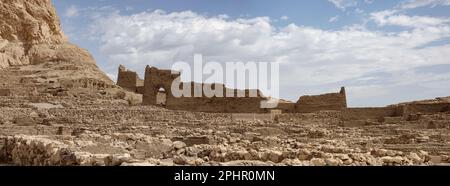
<point>156,79</point>
<point>224,104</point>
<point>368,113</point>
<point>332,101</point>
<point>5,92</point>
<point>286,107</point>
<point>426,108</point>
<point>129,80</point>
<point>221,105</point>
<point>84,83</point>
<point>352,117</point>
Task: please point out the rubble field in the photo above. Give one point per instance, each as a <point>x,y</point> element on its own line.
<point>43,124</point>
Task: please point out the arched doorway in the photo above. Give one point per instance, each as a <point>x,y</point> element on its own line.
<point>161,97</point>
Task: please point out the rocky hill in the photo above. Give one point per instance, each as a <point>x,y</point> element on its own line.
<point>31,35</point>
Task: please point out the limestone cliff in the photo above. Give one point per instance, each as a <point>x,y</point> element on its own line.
<point>30,34</point>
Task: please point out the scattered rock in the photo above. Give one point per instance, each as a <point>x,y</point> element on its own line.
<point>179,145</point>
<point>318,162</point>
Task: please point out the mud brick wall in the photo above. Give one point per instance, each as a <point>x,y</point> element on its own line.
<point>159,81</point>
<point>5,92</point>
<point>354,117</point>
<point>129,80</point>
<point>368,113</point>
<point>221,105</point>
<point>286,107</point>
<point>426,108</point>
<point>140,89</point>
<point>156,79</point>
<point>332,101</point>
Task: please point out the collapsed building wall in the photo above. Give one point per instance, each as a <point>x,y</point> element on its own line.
<point>332,101</point>
<point>426,108</point>
<point>5,92</point>
<point>157,90</point>
<point>130,80</point>
<point>353,117</point>
<point>286,107</point>
<point>157,80</point>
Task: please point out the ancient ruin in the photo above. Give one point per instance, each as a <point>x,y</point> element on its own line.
<point>58,108</point>
<point>160,81</point>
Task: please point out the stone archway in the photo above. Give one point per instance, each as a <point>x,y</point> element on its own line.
<point>156,79</point>
<point>161,97</point>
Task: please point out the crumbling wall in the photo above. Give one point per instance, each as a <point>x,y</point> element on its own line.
<point>246,104</point>
<point>156,79</point>
<point>286,107</point>
<point>426,108</point>
<point>84,83</point>
<point>129,80</point>
<point>5,92</point>
<point>221,105</point>
<point>332,101</point>
<point>353,117</point>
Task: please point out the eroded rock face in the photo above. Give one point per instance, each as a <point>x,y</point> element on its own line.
<point>31,34</point>
<point>32,22</point>
<point>27,25</point>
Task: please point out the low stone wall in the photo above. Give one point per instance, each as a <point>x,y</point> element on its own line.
<point>332,101</point>
<point>5,92</point>
<point>368,113</point>
<point>426,108</point>
<point>355,117</point>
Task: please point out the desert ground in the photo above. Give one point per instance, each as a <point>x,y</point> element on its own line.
<point>44,124</point>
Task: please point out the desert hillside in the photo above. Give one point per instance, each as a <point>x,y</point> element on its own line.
<point>31,39</point>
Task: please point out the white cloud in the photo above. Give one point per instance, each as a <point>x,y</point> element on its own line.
<point>284,17</point>
<point>72,11</point>
<point>310,58</point>
<point>344,4</point>
<point>411,4</point>
<point>333,19</point>
<point>391,17</point>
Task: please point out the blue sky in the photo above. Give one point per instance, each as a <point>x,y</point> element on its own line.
<point>383,51</point>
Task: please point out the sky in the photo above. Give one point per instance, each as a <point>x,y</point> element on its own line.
<point>382,51</point>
